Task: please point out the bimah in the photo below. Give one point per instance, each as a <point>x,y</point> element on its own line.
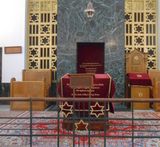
<point>78,115</point>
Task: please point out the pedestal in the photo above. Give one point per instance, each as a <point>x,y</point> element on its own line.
<point>138,92</point>
<point>98,125</point>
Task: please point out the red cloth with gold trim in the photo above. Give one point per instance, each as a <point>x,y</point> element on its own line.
<point>104,87</point>
<point>139,79</point>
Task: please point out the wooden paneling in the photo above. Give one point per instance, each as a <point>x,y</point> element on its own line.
<point>155,77</point>
<point>38,75</point>
<point>13,50</point>
<point>27,89</point>
<point>140,92</point>
<point>156,105</point>
<point>136,61</point>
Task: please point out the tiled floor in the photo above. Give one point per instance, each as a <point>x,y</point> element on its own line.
<point>4,107</point>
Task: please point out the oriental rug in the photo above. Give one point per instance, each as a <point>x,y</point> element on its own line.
<point>47,124</point>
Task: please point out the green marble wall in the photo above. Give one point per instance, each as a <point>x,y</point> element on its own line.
<point>106,26</point>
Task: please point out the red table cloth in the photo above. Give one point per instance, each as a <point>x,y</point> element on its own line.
<point>103,87</point>
<point>139,79</point>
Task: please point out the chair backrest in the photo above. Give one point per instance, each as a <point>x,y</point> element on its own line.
<point>155,78</point>
<point>26,89</point>
<point>136,62</point>
<point>157,89</point>
<point>81,81</point>
<point>154,74</point>
<point>38,75</point>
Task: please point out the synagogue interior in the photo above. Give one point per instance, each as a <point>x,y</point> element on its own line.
<point>80,73</point>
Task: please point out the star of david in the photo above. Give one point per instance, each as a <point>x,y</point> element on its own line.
<point>66,109</point>
<point>151,52</point>
<point>33,17</point>
<point>33,64</point>
<point>81,125</point>
<point>97,110</point>
<point>33,52</point>
<point>127,16</point>
<point>45,29</point>
<point>150,17</point>
<point>150,64</point>
<point>45,40</point>
<point>139,28</point>
<point>139,40</point>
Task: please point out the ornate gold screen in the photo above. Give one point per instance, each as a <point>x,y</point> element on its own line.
<point>141,28</point>
<point>42,34</point>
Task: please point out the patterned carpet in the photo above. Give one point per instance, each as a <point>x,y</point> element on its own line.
<point>49,126</point>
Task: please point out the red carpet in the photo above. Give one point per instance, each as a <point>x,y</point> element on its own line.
<point>49,126</point>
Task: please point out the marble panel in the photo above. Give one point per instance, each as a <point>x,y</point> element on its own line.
<point>107,25</point>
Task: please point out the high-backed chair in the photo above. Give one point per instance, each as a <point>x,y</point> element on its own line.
<point>136,62</point>
<point>156,105</point>
<point>37,75</point>
<point>138,83</point>
<point>27,89</point>
<point>154,73</point>
<point>155,78</point>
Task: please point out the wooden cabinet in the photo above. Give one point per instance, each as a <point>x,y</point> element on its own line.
<point>138,92</point>
<point>27,89</point>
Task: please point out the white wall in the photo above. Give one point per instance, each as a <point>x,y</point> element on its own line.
<point>12,33</point>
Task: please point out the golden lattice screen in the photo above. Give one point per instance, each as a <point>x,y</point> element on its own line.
<point>42,35</point>
<point>141,28</point>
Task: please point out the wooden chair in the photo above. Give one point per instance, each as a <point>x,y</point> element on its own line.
<point>156,105</point>
<point>136,62</point>
<point>27,89</point>
<point>38,75</point>
<point>154,76</point>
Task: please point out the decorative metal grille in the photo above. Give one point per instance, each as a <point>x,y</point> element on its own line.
<point>141,28</point>
<point>42,35</point>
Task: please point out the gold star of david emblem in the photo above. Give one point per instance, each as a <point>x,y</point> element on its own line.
<point>97,110</point>
<point>66,109</point>
<point>81,125</point>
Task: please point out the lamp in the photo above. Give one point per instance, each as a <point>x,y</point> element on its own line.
<point>89,10</point>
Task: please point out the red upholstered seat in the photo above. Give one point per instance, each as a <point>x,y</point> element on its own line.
<point>139,79</point>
